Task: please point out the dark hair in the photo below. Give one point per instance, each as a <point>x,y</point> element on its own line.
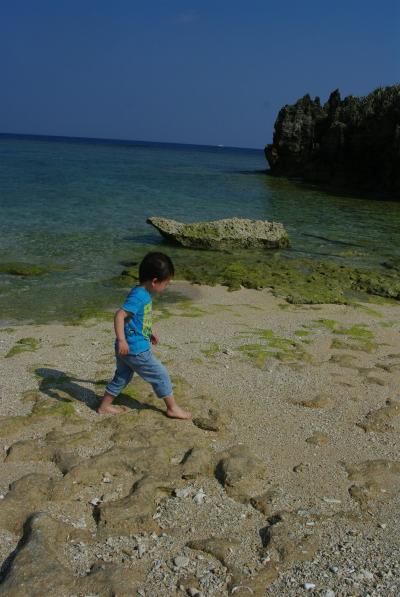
<point>156,265</point>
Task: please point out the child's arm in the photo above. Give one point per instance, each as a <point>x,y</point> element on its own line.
<point>154,338</point>
<point>119,321</point>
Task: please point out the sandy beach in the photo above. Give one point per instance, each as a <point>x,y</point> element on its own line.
<point>286,481</point>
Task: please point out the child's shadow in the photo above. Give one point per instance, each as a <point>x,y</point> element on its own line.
<point>63,387</point>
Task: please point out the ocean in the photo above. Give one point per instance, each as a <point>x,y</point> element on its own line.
<point>79,207</point>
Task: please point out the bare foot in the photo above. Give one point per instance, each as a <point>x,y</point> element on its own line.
<point>110,410</point>
<point>178,413</point>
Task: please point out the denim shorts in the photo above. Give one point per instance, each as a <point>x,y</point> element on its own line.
<point>147,367</point>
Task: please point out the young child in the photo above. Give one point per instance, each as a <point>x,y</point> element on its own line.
<point>134,336</point>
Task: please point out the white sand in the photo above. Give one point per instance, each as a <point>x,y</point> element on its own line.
<point>200,344</point>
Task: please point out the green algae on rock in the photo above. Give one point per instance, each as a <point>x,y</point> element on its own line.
<point>223,234</point>
<point>329,324</point>
<point>212,350</point>
<point>21,269</point>
<point>23,345</point>
<point>88,317</point>
<point>283,349</point>
<point>55,413</point>
<point>182,308</point>
<point>301,333</point>
<point>359,337</point>
<point>298,281</point>
<point>57,408</point>
<point>357,331</point>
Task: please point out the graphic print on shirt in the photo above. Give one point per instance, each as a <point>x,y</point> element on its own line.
<point>147,320</point>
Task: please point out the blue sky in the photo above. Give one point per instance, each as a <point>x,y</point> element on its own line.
<point>191,72</point>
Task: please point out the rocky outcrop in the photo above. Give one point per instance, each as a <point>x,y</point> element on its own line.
<point>128,502</point>
<point>349,142</point>
<point>223,234</point>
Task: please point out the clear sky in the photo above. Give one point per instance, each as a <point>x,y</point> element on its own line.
<point>206,72</point>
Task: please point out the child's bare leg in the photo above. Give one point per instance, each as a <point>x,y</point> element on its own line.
<point>106,407</point>
<point>174,411</point>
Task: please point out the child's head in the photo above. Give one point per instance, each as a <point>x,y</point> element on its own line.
<point>156,269</point>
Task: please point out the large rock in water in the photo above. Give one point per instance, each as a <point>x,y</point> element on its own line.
<point>353,142</point>
<point>223,234</point>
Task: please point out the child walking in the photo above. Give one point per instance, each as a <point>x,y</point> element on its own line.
<point>134,336</point>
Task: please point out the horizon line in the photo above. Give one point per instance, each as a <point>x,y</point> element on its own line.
<point>120,140</point>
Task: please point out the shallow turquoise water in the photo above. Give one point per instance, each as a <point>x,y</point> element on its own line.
<point>82,206</point>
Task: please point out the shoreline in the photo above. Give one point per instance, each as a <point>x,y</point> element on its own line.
<point>298,280</point>
<point>303,457</point>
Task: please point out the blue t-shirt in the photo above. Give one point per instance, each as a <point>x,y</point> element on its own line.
<point>138,325</point>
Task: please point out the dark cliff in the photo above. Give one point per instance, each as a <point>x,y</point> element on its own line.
<point>353,142</point>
